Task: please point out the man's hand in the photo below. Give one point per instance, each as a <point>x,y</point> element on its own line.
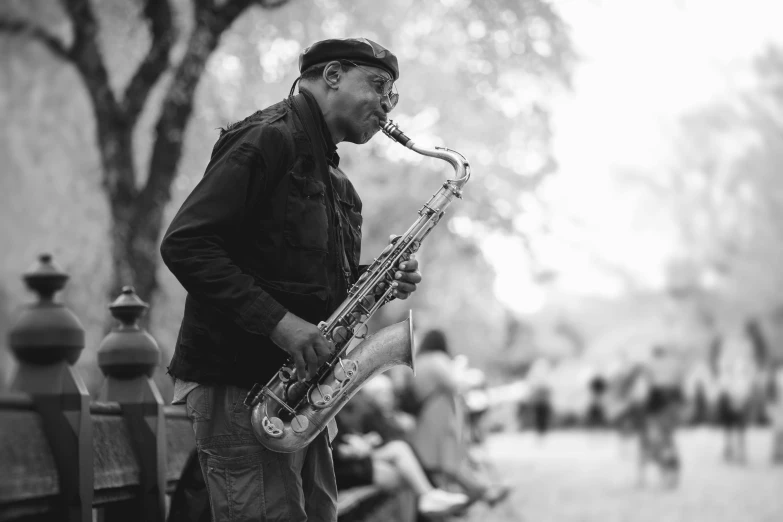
<point>303,342</point>
<point>406,278</point>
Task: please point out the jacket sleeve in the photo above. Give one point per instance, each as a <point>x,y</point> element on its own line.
<point>195,246</point>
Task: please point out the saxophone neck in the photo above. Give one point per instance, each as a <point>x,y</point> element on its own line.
<point>457,161</point>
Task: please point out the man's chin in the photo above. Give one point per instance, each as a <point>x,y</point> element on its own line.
<point>364,137</point>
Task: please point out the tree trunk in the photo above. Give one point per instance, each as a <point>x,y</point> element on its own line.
<point>138,222</point>
<point>135,250</point>
<point>137,214</point>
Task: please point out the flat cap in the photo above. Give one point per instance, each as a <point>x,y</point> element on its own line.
<point>359,50</point>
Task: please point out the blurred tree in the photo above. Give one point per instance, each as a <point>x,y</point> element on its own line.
<point>728,195</point>
<point>476,75</point>
<point>136,208</point>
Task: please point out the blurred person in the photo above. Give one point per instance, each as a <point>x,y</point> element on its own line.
<point>542,410</point>
<point>736,383</point>
<point>267,245</point>
<point>363,457</point>
<point>440,437</point>
<point>382,414</point>
<point>540,397</point>
<point>631,397</point>
<point>660,385</point>
<point>596,409</point>
<point>474,397</point>
<point>477,405</point>
<point>774,409</point>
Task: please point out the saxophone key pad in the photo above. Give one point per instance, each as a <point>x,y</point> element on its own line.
<point>345,370</point>
<point>273,427</point>
<point>299,423</point>
<point>321,396</point>
<point>341,334</point>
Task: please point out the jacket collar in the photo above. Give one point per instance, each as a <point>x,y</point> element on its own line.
<point>329,146</point>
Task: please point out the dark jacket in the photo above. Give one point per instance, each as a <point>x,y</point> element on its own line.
<point>273,226</point>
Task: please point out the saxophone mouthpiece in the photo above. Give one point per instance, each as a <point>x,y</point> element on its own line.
<point>391,130</point>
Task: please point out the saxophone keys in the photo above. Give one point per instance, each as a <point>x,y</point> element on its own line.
<point>285,373</point>
<point>345,370</point>
<point>321,396</point>
<point>363,333</point>
<point>273,427</point>
<point>299,423</point>
<point>341,334</point>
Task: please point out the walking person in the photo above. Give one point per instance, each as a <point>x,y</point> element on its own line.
<point>736,383</point>
<point>661,379</point>
<point>267,245</point>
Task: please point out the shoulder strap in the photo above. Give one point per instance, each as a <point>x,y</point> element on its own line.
<point>302,110</point>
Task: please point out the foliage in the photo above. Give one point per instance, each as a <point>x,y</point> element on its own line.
<point>729,195</point>
<point>724,197</point>
<point>475,76</point>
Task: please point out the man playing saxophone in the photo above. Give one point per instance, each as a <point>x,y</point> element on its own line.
<point>267,245</point>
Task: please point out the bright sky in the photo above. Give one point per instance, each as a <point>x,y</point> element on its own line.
<point>644,64</point>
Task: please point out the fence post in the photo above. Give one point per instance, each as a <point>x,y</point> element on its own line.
<point>47,339</point>
<point>128,357</point>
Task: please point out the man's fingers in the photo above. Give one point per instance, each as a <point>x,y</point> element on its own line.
<point>409,265</point>
<point>402,290</point>
<point>311,361</point>
<point>322,351</point>
<point>403,277</point>
<point>301,368</point>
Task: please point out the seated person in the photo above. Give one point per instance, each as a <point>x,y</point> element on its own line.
<point>383,416</point>
<point>434,395</point>
<point>365,458</point>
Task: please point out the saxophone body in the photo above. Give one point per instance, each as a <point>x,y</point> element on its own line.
<point>287,414</point>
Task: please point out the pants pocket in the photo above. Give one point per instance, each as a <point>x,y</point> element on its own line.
<point>199,403</point>
<point>236,488</point>
<point>239,413</point>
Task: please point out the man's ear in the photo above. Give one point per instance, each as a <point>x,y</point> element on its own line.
<point>333,73</point>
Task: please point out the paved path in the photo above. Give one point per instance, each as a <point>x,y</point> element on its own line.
<point>591,477</point>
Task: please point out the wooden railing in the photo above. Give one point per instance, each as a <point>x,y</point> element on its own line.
<point>66,457</point>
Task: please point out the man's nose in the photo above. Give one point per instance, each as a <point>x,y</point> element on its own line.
<point>386,104</point>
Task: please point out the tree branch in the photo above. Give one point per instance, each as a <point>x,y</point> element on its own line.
<point>211,22</point>
<point>158,15</point>
<point>233,8</point>
<point>113,131</point>
<point>230,10</point>
<point>272,4</point>
<point>26,28</point>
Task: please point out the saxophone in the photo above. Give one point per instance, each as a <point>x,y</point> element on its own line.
<point>287,414</point>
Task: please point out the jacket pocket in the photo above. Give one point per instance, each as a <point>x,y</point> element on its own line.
<point>307,301</point>
<point>306,223</point>
<point>352,230</point>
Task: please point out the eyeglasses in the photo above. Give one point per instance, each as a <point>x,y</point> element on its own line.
<point>383,86</point>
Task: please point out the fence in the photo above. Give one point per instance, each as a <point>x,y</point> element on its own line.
<point>67,457</point>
